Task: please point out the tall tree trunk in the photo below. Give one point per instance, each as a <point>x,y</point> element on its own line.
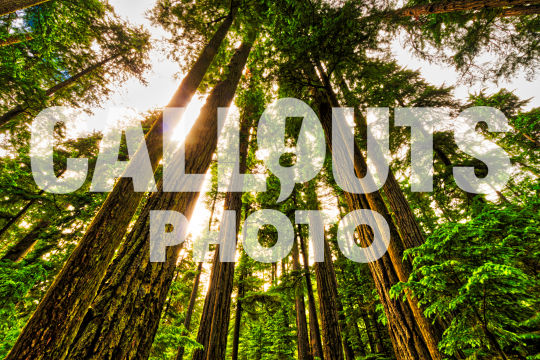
<point>24,246</point>
<point>214,325</point>
<point>10,6</point>
<point>181,349</point>
<point>134,290</point>
<point>52,327</point>
<point>301,321</point>
<point>380,347</point>
<point>21,108</point>
<point>314,330</point>
<point>367,325</point>
<point>191,307</point>
<point>460,5</point>
<point>217,342</point>
<point>361,345</point>
<point>238,316</point>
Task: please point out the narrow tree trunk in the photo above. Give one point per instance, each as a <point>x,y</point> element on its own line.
<point>214,325</point>
<point>238,317</point>
<point>16,39</point>
<point>367,324</point>
<point>314,330</point>
<point>18,251</point>
<point>134,290</point>
<point>301,321</point>
<point>191,307</point>
<point>14,219</point>
<point>380,347</point>
<point>21,108</point>
<point>362,346</point>
<point>55,322</point>
<point>460,5</point>
<point>10,6</point>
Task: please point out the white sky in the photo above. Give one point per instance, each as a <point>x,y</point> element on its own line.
<point>162,81</point>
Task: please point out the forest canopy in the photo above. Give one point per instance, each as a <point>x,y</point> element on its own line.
<point>459,275</point>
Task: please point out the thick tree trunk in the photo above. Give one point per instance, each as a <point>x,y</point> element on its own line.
<point>10,6</point>
<point>409,329</point>
<point>301,321</point>
<point>18,251</point>
<point>409,235</point>
<point>214,325</point>
<point>52,327</point>
<point>314,330</point>
<point>191,307</point>
<point>460,5</point>
<point>217,343</point>
<point>125,314</point>
<point>327,290</point>
<point>21,108</point>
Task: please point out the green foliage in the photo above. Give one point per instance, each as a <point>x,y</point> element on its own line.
<point>481,276</point>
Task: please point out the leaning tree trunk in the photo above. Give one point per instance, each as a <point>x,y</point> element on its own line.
<point>18,251</point>
<point>214,326</point>
<point>21,108</point>
<point>301,321</point>
<point>10,6</point>
<point>409,234</point>
<point>411,333</point>
<point>460,5</point>
<point>124,316</point>
<point>191,307</point>
<point>15,218</point>
<point>52,327</point>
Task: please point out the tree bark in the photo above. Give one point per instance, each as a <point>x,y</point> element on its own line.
<point>18,251</point>
<point>409,329</point>
<point>191,307</point>
<point>367,324</point>
<point>214,325</point>
<point>125,314</point>
<point>16,39</point>
<point>327,290</point>
<point>405,235</point>
<point>314,330</point>
<point>238,318</point>
<point>301,321</point>
<point>10,6</point>
<point>460,5</point>
<point>52,327</point>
